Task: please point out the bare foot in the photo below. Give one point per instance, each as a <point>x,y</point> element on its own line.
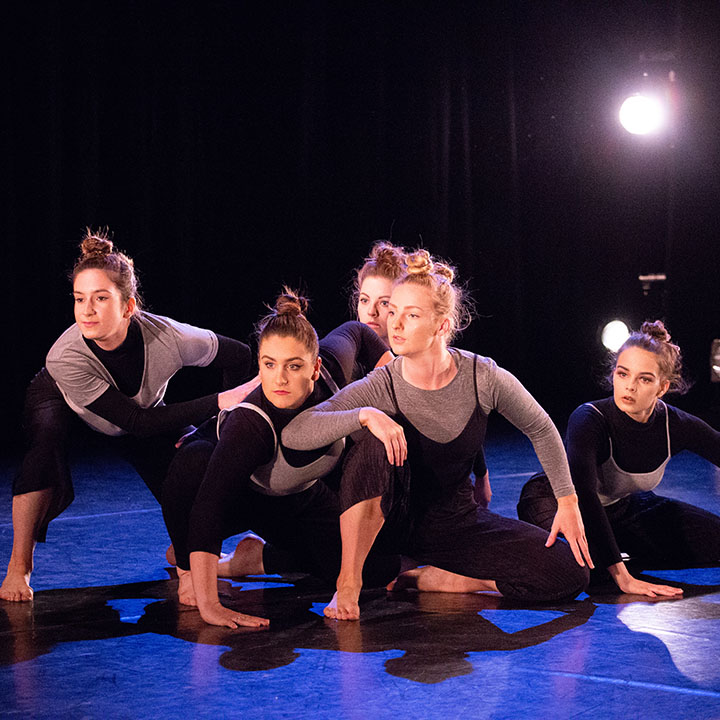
<point>432,579</point>
<point>344,604</point>
<point>186,592</point>
<point>170,556</point>
<point>16,587</point>
<point>246,559</point>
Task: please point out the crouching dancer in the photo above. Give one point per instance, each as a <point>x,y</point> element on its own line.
<point>247,480</point>
<point>440,398</point>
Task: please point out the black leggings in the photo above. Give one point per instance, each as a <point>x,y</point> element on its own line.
<point>472,542</point>
<point>302,530</point>
<point>654,531</point>
<point>49,425</point>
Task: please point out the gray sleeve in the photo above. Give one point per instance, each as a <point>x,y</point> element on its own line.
<point>506,394</point>
<point>81,377</point>
<point>196,346</point>
<point>338,417</point>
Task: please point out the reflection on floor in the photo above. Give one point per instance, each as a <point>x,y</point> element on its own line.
<point>105,637</point>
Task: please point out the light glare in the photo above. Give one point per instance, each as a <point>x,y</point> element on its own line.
<point>614,334</point>
<point>641,115</point>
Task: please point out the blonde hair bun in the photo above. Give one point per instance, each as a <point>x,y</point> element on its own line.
<point>419,263</point>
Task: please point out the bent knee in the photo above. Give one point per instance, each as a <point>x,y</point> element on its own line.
<point>566,578</point>
<point>366,449</point>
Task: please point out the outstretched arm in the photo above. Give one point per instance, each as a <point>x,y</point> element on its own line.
<point>120,410</point>
<point>517,405</point>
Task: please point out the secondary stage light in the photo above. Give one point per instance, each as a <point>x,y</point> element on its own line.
<point>715,361</point>
<point>643,114</point>
<point>614,334</point>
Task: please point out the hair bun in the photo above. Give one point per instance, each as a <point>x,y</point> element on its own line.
<point>96,243</point>
<point>444,271</point>
<point>655,330</point>
<point>419,263</point>
<point>389,259</point>
<point>290,303</point>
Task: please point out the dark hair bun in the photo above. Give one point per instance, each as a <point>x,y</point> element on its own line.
<point>290,303</point>
<point>96,243</point>
<point>656,330</point>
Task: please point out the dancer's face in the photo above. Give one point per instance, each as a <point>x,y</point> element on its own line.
<point>373,304</point>
<point>413,325</point>
<point>637,383</point>
<point>288,371</point>
<point>100,311</point>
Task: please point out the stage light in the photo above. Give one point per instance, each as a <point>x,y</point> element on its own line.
<point>614,334</point>
<point>715,361</point>
<point>643,114</point>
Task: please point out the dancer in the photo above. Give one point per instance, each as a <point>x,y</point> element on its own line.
<point>372,288</point>
<point>110,369</point>
<point>618,449</point>
<point>373,285</point>
<point>441,398</point>
<point>247,480</point>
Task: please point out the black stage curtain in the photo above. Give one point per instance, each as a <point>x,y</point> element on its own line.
<point>236,146</point>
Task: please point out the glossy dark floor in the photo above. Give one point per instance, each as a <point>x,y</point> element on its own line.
<point>105,638</point>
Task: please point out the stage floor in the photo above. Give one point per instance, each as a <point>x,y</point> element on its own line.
<point>105,637</point>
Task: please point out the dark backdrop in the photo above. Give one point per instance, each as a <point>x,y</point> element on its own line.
<point>236,146</point>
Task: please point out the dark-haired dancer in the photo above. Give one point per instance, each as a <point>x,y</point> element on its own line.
<point>441,398</point>
<point>618,449</point>
<point>111,370</point>
<point>247,480</point>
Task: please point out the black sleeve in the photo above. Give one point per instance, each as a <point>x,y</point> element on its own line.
<point>246,442</point>
<point>480,464</point>
<point>688,432</point>
<point>120,410</point>
<point>355,348</point>
<point>587,440</point>
<point>235,360</point>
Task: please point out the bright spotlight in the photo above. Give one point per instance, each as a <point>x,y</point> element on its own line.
<point>614,334</point>
<point>641,115</point>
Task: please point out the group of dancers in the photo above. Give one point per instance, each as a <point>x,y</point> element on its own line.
<point>359,458</point>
